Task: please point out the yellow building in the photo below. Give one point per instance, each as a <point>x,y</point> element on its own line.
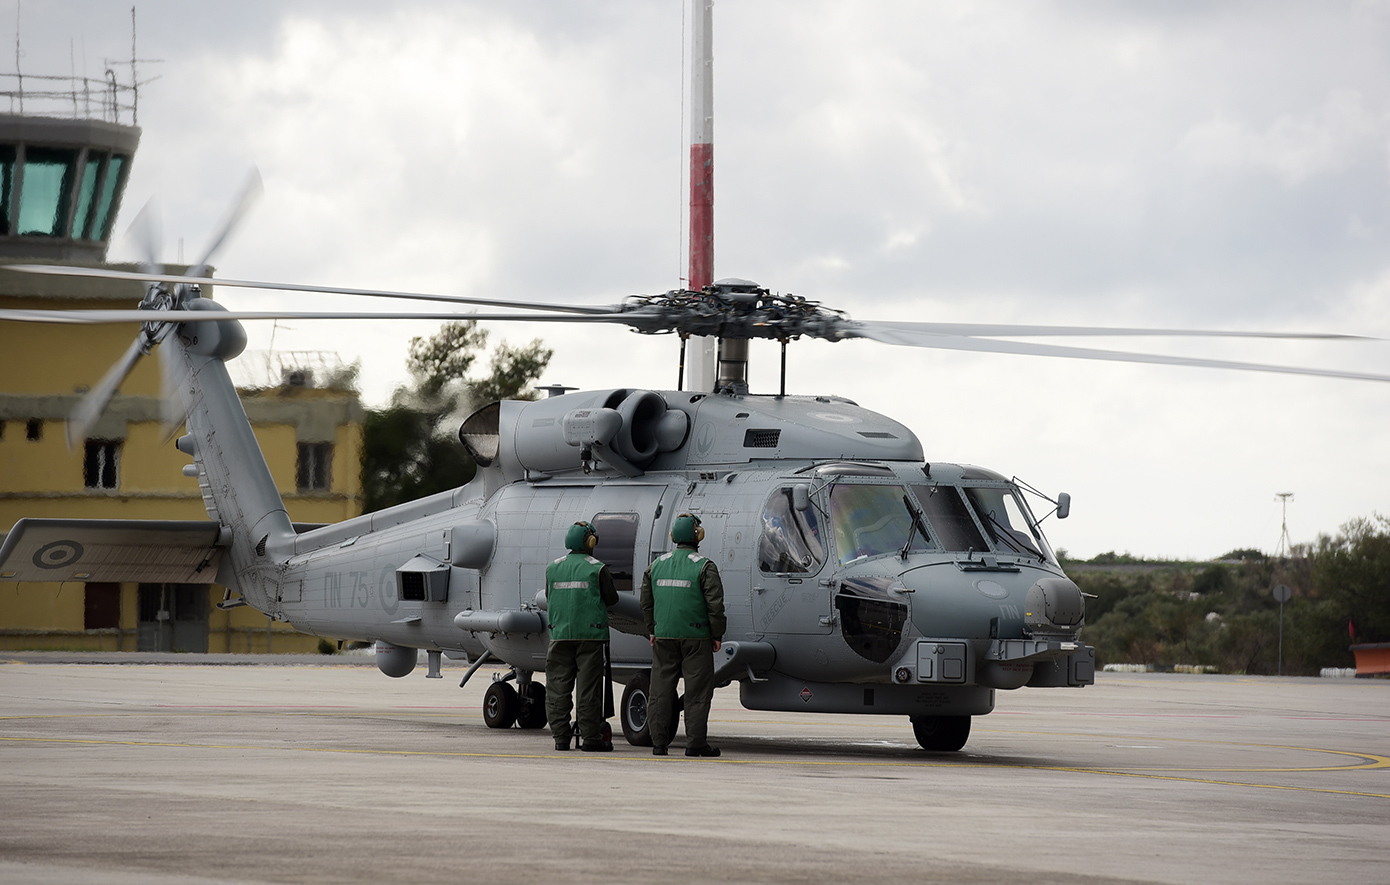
<point>308,426</point>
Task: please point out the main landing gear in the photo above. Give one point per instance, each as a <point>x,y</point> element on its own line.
<point>505,706</point>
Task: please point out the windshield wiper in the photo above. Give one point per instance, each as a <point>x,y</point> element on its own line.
<point>916,520</point>
<point>1007,536</point>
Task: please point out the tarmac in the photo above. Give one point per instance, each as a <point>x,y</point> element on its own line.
<point>180,768</point>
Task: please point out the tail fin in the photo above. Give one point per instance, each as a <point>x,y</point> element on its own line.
<point>238,489</point>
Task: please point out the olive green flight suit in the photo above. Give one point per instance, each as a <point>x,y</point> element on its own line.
<point>682,600</point>
<point>579,590</point>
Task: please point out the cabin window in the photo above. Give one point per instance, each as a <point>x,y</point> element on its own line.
<point>314,470</point>
<point>617,545</point>
<point>791,541</point>
<point>100,464</point>
<point>948,515</point>
<point>1003,518</point>
<point>33,429</point>
<point>872,520</point>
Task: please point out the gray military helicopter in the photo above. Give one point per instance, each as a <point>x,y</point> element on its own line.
<point>859,577</point>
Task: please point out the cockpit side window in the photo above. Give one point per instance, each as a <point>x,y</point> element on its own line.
<point>1004,520</point>
<point>790,541</point>
<point>871,520</point>
<point>947,513</point>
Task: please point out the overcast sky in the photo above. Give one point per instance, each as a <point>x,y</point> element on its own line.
<point>1176,164</point>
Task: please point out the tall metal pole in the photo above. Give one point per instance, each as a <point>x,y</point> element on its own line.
<point>703,361</point>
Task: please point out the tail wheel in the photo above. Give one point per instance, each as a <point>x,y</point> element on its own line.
<point>942,733</point>
<point>532,706</point>
<point>500,705</point>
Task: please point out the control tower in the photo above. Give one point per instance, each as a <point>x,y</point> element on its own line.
<point>64,161</point>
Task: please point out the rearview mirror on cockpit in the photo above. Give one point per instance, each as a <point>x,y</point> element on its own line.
<point>801,497</point>
<point>1063,505</point>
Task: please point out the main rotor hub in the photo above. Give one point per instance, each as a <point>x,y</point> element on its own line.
<point>732,308</point>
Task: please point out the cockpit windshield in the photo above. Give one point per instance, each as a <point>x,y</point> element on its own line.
<point>1003,516</point>
<point>872,520</point>
<point>958,515</point>
<point>948,514</point>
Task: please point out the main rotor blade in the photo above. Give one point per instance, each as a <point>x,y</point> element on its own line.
<point>907,338</point>
<point>94,403</point>
<point>103,317</point>
<point>250,192</point>
<point>1002,330</point>
<point>56,270</point>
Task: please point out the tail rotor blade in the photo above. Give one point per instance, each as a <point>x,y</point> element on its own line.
<point>250,192</point>
<point>94,403</point>
<point>146,235</point>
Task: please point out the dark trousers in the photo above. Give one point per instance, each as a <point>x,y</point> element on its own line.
<point>692,660</point>
<point>571,664</point>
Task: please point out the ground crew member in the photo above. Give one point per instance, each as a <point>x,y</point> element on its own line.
<point>683,602</point>
<point>578,591</point>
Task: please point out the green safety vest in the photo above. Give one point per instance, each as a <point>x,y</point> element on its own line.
<point>678,602</point>
<point>574,604</point>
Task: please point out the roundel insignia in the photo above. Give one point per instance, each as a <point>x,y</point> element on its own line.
<point>834,417</point>
<point>58,554</point>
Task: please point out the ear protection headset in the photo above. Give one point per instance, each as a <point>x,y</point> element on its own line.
<point>581,537</point>
<point>687,529</point>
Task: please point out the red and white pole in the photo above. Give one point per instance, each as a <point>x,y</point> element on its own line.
<point>702,364</point>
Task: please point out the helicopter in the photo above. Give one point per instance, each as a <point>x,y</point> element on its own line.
<point>860,576</point>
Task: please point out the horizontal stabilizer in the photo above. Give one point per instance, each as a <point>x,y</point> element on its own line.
<point>150,550</point>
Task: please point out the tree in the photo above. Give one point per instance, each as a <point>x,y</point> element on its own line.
<point>410,448</point>
<point>1351,574</point>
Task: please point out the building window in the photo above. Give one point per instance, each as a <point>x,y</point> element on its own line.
<point>314,472</point>
<point>33,429</point>
<point>101,609</point>
<point>99,466</point>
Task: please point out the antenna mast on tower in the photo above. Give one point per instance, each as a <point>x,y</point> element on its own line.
<point>1285,543</point>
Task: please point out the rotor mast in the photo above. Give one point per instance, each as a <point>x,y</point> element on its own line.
<point>703,360</point>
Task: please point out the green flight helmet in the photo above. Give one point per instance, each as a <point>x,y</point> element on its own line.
<point>581,537</point>
<point>687,530</point>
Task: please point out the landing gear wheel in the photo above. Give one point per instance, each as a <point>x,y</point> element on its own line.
<point>500,705</point>
<point>531,713</point>
<point>632,714</point>
<point>943,733</point>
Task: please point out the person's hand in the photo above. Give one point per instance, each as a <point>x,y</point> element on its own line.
<point>717,643</point>
<point>651,640</point>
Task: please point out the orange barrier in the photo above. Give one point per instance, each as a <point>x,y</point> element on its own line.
<point>1372,659</point>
